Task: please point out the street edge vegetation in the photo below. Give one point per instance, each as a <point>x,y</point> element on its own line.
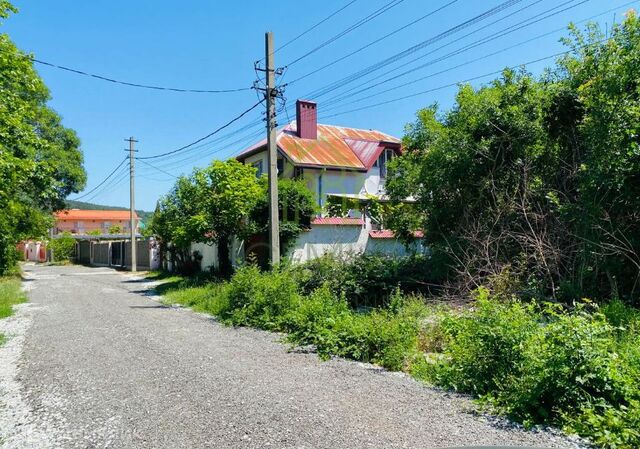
<point>10,294</point>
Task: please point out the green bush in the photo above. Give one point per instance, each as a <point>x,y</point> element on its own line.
<point>578,369</point>
<point>365,279</point>
<point>64,247</point>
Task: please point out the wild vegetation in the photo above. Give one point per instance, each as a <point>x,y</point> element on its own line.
<point>40,160</point>
<point>537,178</point>
<point>10,295</point>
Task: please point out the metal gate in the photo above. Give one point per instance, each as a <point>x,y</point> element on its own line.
<point>117,254</point>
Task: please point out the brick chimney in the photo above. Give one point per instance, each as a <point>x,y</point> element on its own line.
<point>307,119</point>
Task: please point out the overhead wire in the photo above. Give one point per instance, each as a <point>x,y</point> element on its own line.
<point>214,132</point>
<point>130,84</point>
<point>308,30</point>
<point>103,181</point>
<point>411,50</point>
<point>457,83</point>
<point>380,39</point>
<point>497,35</point>
<point>386,7</point>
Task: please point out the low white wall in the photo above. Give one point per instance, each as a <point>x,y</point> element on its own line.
<point>323,239</point>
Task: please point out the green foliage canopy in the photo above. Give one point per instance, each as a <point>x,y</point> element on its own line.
<point>40,160</point>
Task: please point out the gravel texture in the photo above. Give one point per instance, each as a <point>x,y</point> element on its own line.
<point>94,362</point>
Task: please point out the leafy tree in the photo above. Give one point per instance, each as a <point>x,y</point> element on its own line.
<point>296,206</point>
<point>115,229</point>
<point>226,192</point>
<point>40,161</point>
<point>536,179</point>
<point>176,223</point>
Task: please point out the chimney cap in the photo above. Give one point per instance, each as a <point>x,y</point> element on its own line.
<point>300,100</point>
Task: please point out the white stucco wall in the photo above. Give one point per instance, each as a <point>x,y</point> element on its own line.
<point>325,239</point>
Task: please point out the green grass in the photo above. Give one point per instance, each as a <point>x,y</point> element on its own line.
<point>10,295</point>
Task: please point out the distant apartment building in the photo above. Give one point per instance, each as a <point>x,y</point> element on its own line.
<point>78,221</point>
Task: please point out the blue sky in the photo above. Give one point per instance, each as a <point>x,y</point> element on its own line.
<point>212,45</point>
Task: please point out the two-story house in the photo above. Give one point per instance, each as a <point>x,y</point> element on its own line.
<point>79,221</point>
<point>339,162</point>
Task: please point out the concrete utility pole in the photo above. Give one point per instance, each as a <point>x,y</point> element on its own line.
<point>271,94</point>
<point>132,203</point>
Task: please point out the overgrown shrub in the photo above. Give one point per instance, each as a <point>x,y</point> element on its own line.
<point>64,247</point>
<point>365,279</point>
<point>542,364</point>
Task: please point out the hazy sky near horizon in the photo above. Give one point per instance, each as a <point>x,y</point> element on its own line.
<point>212,45</point>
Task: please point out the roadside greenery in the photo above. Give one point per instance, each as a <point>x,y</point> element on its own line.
<point>529,197</point>
<point>64,247</point>
<point>10,295</point>
<point>40,160</point>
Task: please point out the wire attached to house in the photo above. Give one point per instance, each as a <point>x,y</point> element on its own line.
<point>217,130</point>
<point>142,86</point>
<point>156,168</point>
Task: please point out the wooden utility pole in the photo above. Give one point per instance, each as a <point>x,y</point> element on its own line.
<point>132,204</point>
<point>272,159</point>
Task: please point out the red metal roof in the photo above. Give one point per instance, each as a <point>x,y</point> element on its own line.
<point>77,214</point>
<point>340,221</point>
<point>336,146</point>
<point>389,234</point>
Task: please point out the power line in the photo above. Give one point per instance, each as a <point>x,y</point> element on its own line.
<point>103,181</point>
<point>398,56</point>
<point>156,168</point>
<point>314,26</point>
<point>229,123</point>
<point>126,83</point>
<point>457,83</point>
<point>349,29</point>
<point>117,180</point>
<point>348,55</point>
<point>500,19</point>
<point>497,35</point>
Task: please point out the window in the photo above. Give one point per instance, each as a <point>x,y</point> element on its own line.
<point>259,168</point>
<point>280,165</point>
<point>384,157</point>
<point>298,173</point>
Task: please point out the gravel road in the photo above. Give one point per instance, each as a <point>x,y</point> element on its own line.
<point>94,362</point>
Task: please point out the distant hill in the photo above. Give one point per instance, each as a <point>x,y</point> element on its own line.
<point>144,215</point>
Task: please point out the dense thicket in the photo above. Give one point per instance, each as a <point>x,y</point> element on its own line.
<point>40,160</point>
<point>532,185</point>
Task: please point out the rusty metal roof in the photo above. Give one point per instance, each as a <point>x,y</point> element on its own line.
<point>336,146</point>
<point>389,234</point>
<point>337,221</point>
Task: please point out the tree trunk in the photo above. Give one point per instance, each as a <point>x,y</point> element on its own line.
<point>224,261</point>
